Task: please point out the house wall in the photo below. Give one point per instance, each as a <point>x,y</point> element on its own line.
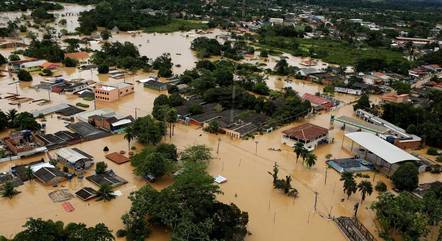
<point>313,144</point>
<point>413,145</point>
<point>114,94</point>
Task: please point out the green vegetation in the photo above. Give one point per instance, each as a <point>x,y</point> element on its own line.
<point>19,121</point>
<point>147,130</point>
<point>189,209</point>
<point>362,103</point>
<point>3,60</point>
<point>8,190</point>
<point>105,193</point>
<point>164,65</point>
<point>45,49</point>
<point>331,51</point>
<point>41,230</point>
<point>380,187</point>
<point>155,161</point>
<point>423,120</point>
<point>349,185</point>
<point>176,25</point>
<point>83,105</point>
<point>283,184</point>
<point>406,177</point>
<point>123,55</point>
<point>407,215</point>
<point>24,75</point>
<point>20,5</point>
<point>100,167</point>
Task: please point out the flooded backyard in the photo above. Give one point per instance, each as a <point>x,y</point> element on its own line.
<point>245,163</point>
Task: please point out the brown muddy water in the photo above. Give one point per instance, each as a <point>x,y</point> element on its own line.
<point>245,163</point>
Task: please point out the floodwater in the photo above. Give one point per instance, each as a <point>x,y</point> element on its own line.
<point>245,163</point>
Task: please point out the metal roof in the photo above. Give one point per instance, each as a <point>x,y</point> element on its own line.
<point>381,148</point>
<point>70,155</point>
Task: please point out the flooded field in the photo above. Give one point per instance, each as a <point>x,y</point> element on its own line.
<point>245,163</point>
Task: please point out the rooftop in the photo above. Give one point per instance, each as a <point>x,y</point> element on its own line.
<point>306,132</point>
<point>381,148</point>
<point>317,100</point>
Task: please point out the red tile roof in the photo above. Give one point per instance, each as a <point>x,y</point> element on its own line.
<point>316,100</point>
<point>77,55</point>
<point>306,132</point>
<point>117,158</point>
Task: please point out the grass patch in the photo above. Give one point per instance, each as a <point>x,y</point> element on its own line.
<point>79,104</point>
<point>331,51</point>
<point>177,25</point>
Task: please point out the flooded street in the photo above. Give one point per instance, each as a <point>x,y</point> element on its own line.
<point>245,163</point>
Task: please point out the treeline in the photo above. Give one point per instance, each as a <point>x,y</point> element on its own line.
<point>423,121</point>
<point>23,5</point>
<point>44,230</point>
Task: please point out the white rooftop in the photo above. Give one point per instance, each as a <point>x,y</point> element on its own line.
<point>122,122</point>
<point>40,165</point>
<point>70,155</point>
<point>381,148</point>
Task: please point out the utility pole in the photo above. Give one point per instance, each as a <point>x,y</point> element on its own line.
<point>325,177</point>
<point>136,114</point>
<point>256,147</point>
<point>217,148</point>
<point>49,94</point>
<point>316,199</point>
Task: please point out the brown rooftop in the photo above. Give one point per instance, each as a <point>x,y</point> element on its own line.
<point>117,158</point>
<point>306,132</point>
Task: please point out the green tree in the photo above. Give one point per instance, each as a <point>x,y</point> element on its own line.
<point>282,67</point>
<point>69,62</point>
<point>196,153</point>
<point>24,75</point>
<point>129,135</point>
<point>350,185</point>
<point>105,34</point>
<point>363,103</point>
<point>136,227</point>
<point>9,190</point>
<point>310,160</point>
<point>299,149</point>
<point>365,187</point>
<point>103,69</point>
<point>381,187</point>
<point>3,60</point>
<point>154,164</point>
<point>29,173</point>
<point>171,119</point>
<point>406,177</point>
<point>213,127</point>
<point>100,167</point>
<point>105,193</point>
<point>148,130</point>
<point>14,57</point>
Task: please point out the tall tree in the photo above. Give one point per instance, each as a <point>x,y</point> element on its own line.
<point>310,159</point>
<point>129,135</point>
<point>365,187</point>
<point>9,190</point>
<point>350,185</point>
<point>105,193</point>
<point>298,149</point>
<point>171,118</point>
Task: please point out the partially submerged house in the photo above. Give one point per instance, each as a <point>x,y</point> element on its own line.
<point>107,178</point>
<point>86,193</point>
<point>48,174</point>
<point>73,160</point>
<point>22,143</point>
<point>111,123</point>
<point>318,102</point>
<point>155,85</point>
<point>308,134</point>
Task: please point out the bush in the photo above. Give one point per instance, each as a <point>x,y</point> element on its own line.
<point>100,167</point>
<point>24,75</point>
<point>439,158</point>
<point>82,105</point>
<point>380,187</point>
<point>69,62</point>
<point>432,151</point>
<point>14,57</point>
<point>406,177</point>
<point>121,233</point>
<point>106,149</point>
<point>103,69</point>
<point>3,60</point>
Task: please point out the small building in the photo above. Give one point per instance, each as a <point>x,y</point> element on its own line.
<point>86,193</point>
<point>309,134</point>
<point>318,102</point>
<point>384,155</point>
<point>107,178</point>
<point>22,143</point>
<point>50,66</point>
<point>110,93</point>
<point>50,176</point>
<point>276,21</point>
<point>156,85</point>
<point>32,65</point>
<point>117,158</point>
<point>74,160</point>
<point>395,98</point>
<point>110,123</point>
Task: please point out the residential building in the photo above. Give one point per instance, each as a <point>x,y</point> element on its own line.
<point>318,102</point>
<point>48,174</point>
<point>73,160</point>
<point>110,93</point>
<point>308,134</point>
<point>110,123</point>
<point>22,143</point>
<point>156,85</point>
<point>395,98</point>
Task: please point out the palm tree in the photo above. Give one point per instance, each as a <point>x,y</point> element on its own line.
<point>310,159</point>
<point>299,147</point>
<point>29,173</point>
<point>129,135</point>
<point>105,193</point>
<point>171,118</point>
<point>9,190</point>
<point>350,186</point>
<point>365,188</point>
<point>12,114</point>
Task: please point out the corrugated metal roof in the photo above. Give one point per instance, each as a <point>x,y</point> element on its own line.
<point>381,148</point>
